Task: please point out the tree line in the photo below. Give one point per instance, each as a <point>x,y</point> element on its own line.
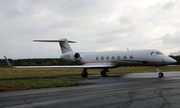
<point>34,62</point>
<point>175,55</point>
<point>177,58</point>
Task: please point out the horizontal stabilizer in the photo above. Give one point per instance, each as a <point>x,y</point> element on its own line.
<point>64,44</point>
<point>60,40</point>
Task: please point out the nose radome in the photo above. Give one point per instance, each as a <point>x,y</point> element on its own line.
<point>174,61</point>
<point>171,60</point>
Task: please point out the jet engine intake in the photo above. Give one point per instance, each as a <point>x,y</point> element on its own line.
<point>71,56</point>
<point>77,56</point>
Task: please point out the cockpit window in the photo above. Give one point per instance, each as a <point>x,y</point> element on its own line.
<point>152,53</point>
<point>159,53</point>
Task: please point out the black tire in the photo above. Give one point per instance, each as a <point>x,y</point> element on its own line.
<point>161,75</point>
<point>103,73</point>
<point>84,74</point>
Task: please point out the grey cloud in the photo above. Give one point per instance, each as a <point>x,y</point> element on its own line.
<point>125,20</point>
<point>160,9</point>
<point>68,8</point>
<point>127,28</point>
<point>12,14</point>
<point>9,8</point>
<point>12,9</point>
<point>171,38</point>
<point>91,23</point>
<point>106,39</point>
<point>169,5</point>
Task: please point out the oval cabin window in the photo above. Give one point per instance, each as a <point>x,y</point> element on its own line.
<point>102,58</point>
<point>131,57</point>
<point>107,58</point>
<point>125,57</point>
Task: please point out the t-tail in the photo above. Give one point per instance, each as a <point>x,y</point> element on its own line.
<point>63,43</point>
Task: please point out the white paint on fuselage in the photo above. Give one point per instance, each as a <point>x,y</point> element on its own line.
<point>140,58</point>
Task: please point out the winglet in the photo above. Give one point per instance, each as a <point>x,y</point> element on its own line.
<point>9,64</point>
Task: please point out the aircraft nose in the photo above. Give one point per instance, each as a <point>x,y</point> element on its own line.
<point>171,60</point>
<point>174,61</point>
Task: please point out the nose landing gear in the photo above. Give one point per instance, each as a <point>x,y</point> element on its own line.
<point>160,74</point>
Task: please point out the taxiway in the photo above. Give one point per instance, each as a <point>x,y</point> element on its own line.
<point>136,90</point>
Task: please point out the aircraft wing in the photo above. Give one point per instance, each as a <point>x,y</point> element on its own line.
<point>68,66</point>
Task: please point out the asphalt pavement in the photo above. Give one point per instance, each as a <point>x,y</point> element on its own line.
<point>136,90</point>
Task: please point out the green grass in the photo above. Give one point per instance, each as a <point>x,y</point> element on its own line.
<point>20,79</point>
<point>21,84</point>
<point>42,82</point>
<point>13,73</point>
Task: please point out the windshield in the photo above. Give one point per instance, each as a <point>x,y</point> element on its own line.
<point>152,53</point>
<point>159,53</point>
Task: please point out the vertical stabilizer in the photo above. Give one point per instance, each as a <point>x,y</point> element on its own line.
<point>63,43</point>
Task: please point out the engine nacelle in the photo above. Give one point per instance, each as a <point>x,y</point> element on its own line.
<point>71,56</point>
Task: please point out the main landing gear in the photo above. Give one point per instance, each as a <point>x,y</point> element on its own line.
<point>85,73</point>
<point>160,74</point>
<point>103,72</point>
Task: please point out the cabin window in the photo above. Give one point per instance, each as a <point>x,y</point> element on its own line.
<point>113,57</point>
<point>125,57</point>
<point>107,58</point>
<point>97,58</point>
<point>119,57</point>
<point>102,58</point>
<point>131,57</point>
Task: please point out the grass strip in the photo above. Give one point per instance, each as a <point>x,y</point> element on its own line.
<point>22,79</point>
<point>24,84</point>
<point>13,73</point>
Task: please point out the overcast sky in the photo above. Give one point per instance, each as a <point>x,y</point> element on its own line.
<point>96,25</point>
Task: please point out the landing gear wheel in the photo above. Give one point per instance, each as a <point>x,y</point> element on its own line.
<point>161,75</point>
<point>103,73</point>
<point>84,73</point>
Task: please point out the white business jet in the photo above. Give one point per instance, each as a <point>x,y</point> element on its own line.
<point>106,60</point>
